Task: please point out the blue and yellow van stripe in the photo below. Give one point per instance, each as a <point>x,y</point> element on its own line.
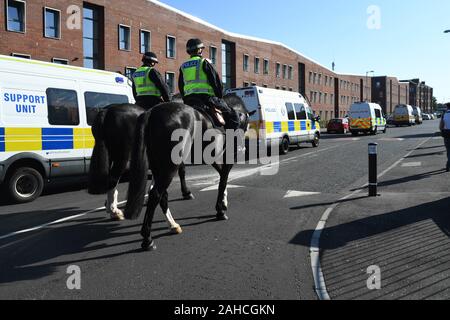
<point>284,126</point>
<point>45,139</point>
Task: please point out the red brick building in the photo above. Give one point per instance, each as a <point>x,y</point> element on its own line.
<point>113,34</point>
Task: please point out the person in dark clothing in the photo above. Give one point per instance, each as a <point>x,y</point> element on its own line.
<point>149,88</point>
<point>200,84</point>
<point>445,130</point>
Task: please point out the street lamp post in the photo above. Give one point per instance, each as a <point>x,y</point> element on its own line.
<point>367,84</point>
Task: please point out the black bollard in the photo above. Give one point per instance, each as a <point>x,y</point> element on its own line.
<point>373,170</point>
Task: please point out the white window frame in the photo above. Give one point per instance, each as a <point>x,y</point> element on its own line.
<point>245,67</point>
<point>21,55</point>
<point>210,55</point>
<point>24,16</point>
<point>172,90</point>
<point>257,66</point>
<point>60,59</point>
<point>129,37</point>
<point>167,47</point>
<point>59,22</point>
<point>140,40</point>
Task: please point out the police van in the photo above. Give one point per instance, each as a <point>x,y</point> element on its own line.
<point>283,117</point>
<point>366,117</point>
<point>46,111</point>
<point>404,115</point>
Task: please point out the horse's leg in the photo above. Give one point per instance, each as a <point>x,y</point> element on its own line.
<point>153,199</point>
<point>174,227</point>
<point>117,170</point>
<point>187,194</point>
<point>160,187</point>
<point>222,196</point>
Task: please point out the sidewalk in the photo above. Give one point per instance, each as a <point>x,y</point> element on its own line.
<point>405,232</point>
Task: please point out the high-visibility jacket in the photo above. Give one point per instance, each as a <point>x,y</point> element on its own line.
<point>195,78</point>
<point>145,86</point>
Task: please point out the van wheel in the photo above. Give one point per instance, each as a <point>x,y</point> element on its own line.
<point>284,146</point>
<point>375,131</point>
<point>316,141</point>
<point>25,185</point>
<point>385,130</point>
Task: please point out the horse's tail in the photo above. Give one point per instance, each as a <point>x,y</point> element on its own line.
<point>138,170</point>
<point>99,167</point>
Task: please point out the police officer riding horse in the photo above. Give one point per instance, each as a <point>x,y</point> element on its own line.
<point>201,87</point>
<point>149,88</point>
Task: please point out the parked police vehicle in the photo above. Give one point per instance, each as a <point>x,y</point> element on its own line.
<point>283,117</point>
<point>366,117</point>
<point>46,111</point>
<point>404,115</point>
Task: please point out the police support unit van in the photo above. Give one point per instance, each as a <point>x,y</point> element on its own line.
<point>366,117</point>
<point>282,116</point>
<point>404,115</point>
<point>46,111</point>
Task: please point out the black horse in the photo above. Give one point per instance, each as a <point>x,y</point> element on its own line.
<point>114,132</point>
<point>154,143</point>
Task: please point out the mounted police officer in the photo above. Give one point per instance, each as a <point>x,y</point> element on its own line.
<point>200,84</point>
<point>149,88</point>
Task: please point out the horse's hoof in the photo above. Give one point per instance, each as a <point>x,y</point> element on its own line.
<point>117,216</point>
<point>148,246</point>
<point>222,217</point>
<point>176,230</point>
<point>189,196</point>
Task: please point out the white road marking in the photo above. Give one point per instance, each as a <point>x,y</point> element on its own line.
<point>296,194</point>
<point>216,187</point>
<point>411,164</point>
<point>319,279</point>
<point>391,139</point>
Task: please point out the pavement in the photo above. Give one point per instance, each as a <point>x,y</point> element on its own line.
<point>405,232</point>
<point>263,251</point>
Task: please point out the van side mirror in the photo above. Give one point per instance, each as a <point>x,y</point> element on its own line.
<point>317,119</point>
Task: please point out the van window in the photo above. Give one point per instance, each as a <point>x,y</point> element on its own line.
<point>96,101</point>
<point>377,113</point>
<point>300,111</point>
<point>62,107</point>
<point>310,113</point>
<point>290,111</point>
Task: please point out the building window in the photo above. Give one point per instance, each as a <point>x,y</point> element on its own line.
<point>91,37</point>
<point>60,61</point>
<point>290,72</point>
<point>278,70</point>
<point>129,71</point>
<point>227,71</point>
<point>213,55</point>
<point>170,81</point>
<point>256,65</point>
<point>124,38</point>
<point>253,84</point>
<point>146,41</point>
<point>277,87</point>
<point>284,71</point>
<point>171,47</point>
<point>315,78</point>
<point>21,55</point>
<point>265,86</point>
<point>15,15</point>
<point>246,84</point>
<point>245,64</point>
<point>291,89</point>
<point>266,66</point>
<point>320,79</point>
<point>62,107</point>
<point>310,77</point>
<point>52,23</point>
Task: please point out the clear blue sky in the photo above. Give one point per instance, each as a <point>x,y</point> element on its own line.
<point>410,43</point>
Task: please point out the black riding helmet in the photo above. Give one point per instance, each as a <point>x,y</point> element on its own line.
<point>150,57</point>
<point>193,44</point>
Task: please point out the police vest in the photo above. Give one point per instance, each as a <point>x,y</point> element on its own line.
<point>145,86</point>
<point>195,79</point>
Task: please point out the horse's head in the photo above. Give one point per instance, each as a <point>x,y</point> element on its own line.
<point>238,105</point>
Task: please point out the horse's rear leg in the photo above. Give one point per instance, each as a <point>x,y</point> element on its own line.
<point>222,196</point>
<point>174,227</point>
<point>187,194</point>
<point>112,201</point>
<point>153,199</point>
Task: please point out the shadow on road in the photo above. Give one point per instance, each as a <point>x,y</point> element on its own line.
<point>90,239</point>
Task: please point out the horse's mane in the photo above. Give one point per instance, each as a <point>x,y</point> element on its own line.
<point>236,103</point>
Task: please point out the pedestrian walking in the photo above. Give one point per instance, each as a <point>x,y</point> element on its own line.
<point>445,129</point>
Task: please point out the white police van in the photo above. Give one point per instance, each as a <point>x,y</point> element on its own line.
<point>46,111</point>
<point>283,116</point>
